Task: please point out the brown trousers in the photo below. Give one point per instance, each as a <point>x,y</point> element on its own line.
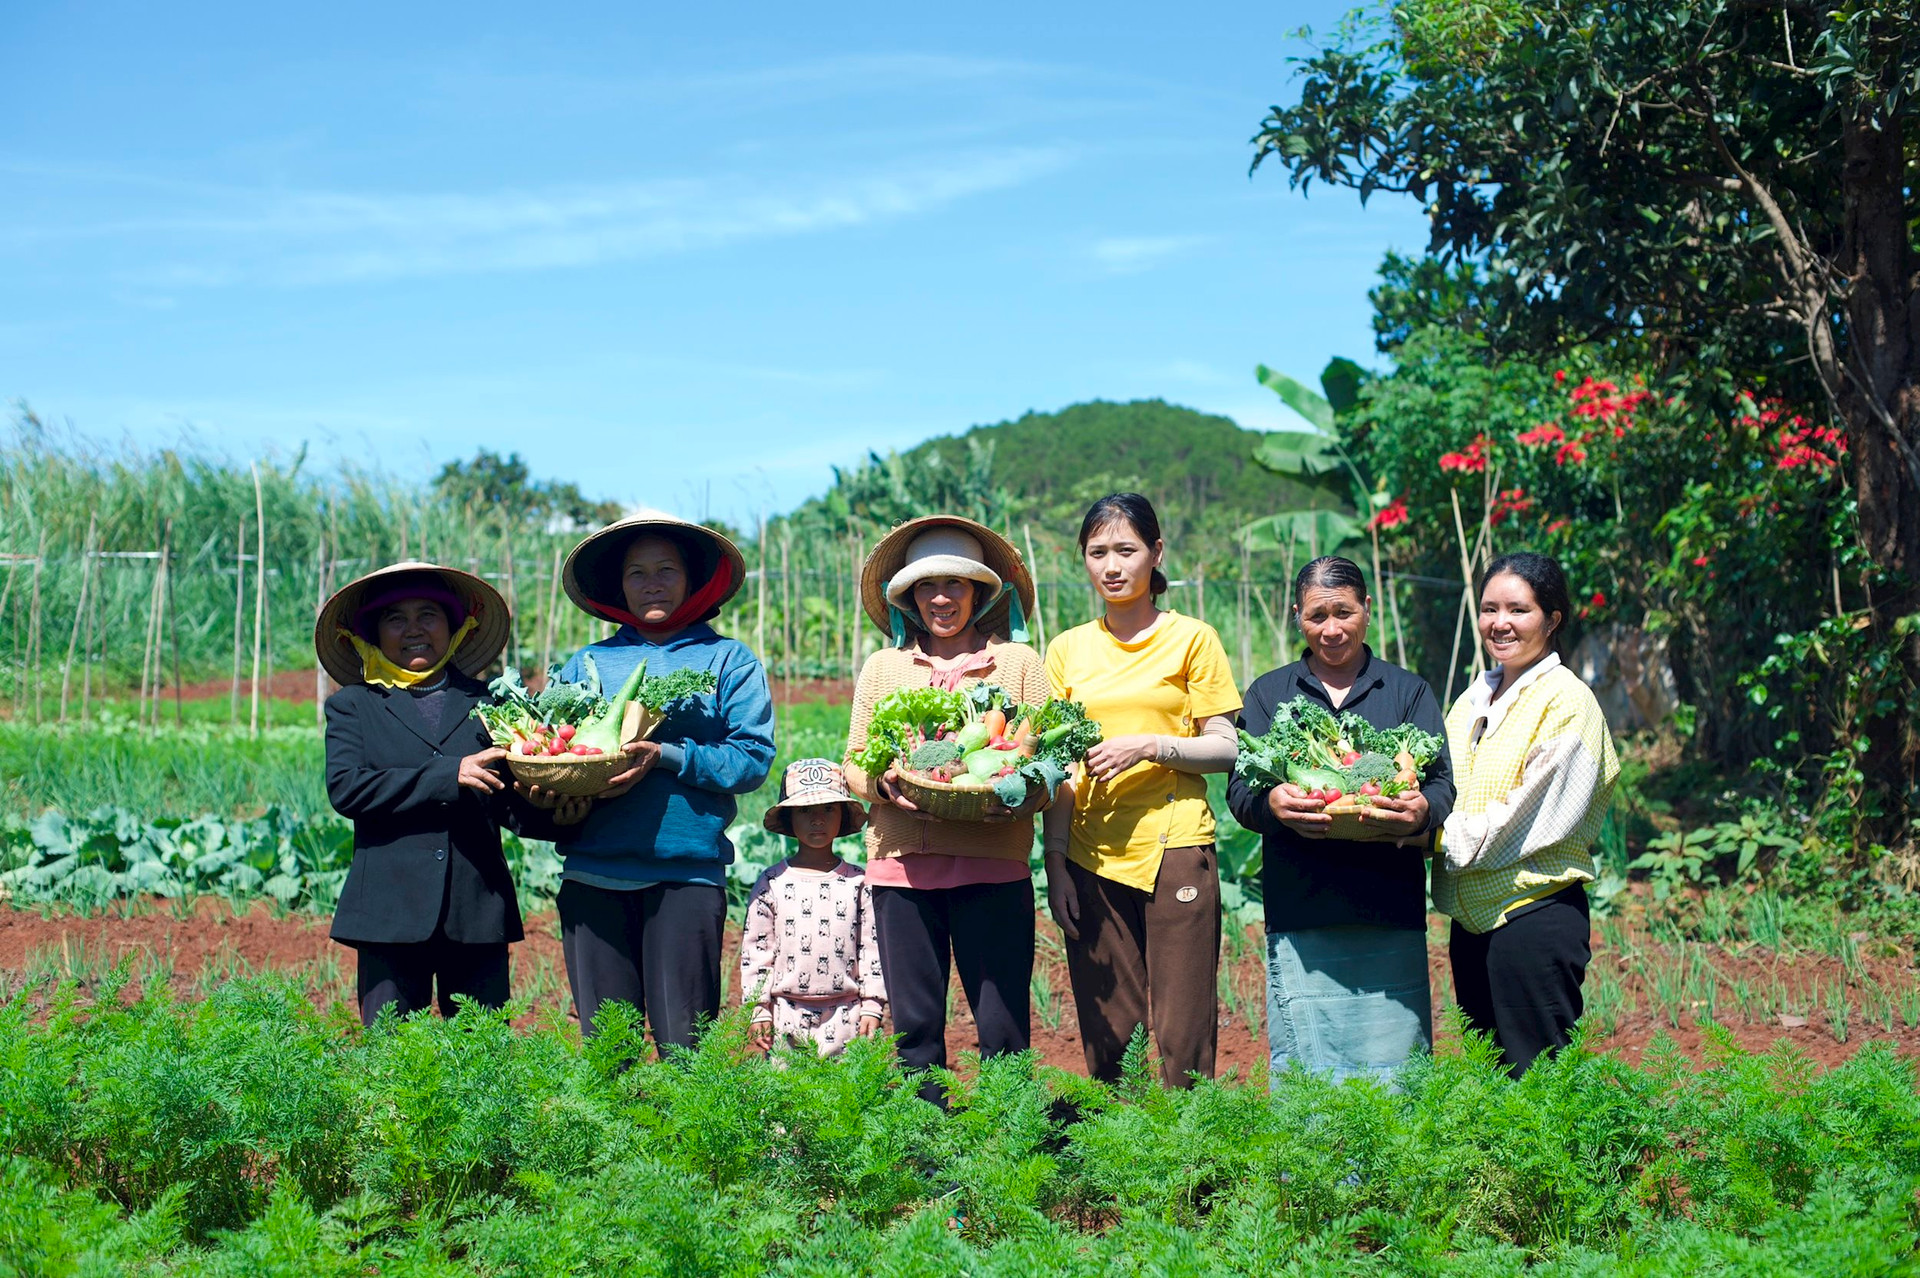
<point>1153,959</point>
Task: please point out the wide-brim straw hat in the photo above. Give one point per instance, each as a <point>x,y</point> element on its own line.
<point>889,556</point>
<point>592,576</point>
<point>492,623</point>
<point>811,783</point>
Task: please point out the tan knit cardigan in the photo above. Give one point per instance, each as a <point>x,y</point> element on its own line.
<point>891,832</point>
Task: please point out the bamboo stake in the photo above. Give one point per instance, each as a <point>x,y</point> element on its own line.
<point>1379,583</point>
<point>239,608</point>
<point>853,589</point>
<point>79,616</point>
<point>1453,658</point>
<point>1260,597</point>
<point>512,656</point>
<point>86,657</point>
<point>146,647</point>
<point>786,604</point>
<point>1039,607</point>
<point>173,626</point>
<point>1399,635</point>
<point>34,644</point>
<point>15,645</point>
<point>1466,569</point>
<point>319,602</point>
<point>760,611</point>
<point>259,595</point>
<point>553,606</point>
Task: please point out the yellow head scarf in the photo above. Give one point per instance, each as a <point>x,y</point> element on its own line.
<point>377,670</point>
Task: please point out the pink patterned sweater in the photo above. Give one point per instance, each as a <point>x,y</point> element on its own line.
<point>810,939</point>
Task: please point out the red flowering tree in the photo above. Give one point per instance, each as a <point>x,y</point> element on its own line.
<point>1723,521</point>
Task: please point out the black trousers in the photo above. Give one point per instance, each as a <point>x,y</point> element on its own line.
<point>403,976</point>
<point>1521,981</point>
<point>657,948</point>
<point>985,931</point>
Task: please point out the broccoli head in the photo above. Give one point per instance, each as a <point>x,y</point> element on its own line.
<point>935,754</point>
<point>1372,766</point>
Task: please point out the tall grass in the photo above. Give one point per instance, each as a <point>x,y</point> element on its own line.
<point>81,520</point>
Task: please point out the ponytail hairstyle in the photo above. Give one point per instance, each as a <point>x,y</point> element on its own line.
<point>1545,578</point>
<point>1330,572</point>
<point>1137,513</point>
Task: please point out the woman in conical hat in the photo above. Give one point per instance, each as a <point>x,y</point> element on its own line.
<point>952,596</point>
<point>643,899</point>
<point>429,899</point>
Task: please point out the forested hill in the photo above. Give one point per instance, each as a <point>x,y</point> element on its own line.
<point>1043,469</point>
<point>1173,454</point>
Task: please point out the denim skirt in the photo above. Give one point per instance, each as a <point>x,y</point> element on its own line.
<point>1347,1002</point>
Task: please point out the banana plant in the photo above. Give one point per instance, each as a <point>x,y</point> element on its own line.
<point>1318,457</point>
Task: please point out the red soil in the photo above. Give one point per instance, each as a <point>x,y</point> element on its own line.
<point>187,940</point>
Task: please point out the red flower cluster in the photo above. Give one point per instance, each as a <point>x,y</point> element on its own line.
<point>1569,453</point>
<point>1797,442</point>
<point>1513,501</point>
<point>1604,404</point>
<point>1544,433</point>
<point>1599,600</point>
<point>1474,460</point>
<point>1391,516</point>
<point>1803,445</point>
<point>1559,525</point>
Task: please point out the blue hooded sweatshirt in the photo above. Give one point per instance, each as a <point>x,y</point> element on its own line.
<point>672,827</point>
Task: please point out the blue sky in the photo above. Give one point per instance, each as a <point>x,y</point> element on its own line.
<point>692,256</point>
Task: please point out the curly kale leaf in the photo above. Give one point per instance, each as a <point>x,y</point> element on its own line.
<point>659,693</point>
<point>1066,734</point>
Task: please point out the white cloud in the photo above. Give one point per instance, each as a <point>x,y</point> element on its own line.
<point>1125,254</point>
<point>325,237</point>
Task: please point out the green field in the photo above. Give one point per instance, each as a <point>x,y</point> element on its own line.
<point>247,1135</point>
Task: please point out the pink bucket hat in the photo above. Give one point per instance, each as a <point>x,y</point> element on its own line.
<point>809,783</point>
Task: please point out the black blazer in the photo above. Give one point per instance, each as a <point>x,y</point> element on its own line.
<point>422,843</point>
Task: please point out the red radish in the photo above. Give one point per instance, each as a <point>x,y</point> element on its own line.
<point>566,731</point>
<point>579,750</point>
<point>529,747</point>
<point>1370,789</point>
<point>1349,759</point>
<point>1333,796</point>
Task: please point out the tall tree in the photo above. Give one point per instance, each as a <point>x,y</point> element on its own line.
<point>1734,177</point>
<point>1731,181</point>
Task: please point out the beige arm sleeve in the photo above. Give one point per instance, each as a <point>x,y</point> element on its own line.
<point>865,696</point>
<point>1214,750</point>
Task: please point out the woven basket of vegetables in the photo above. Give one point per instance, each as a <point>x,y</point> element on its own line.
<point>1345,763</point>
<point>567,738</point>
<point>957,754</point>
<point>949,800</point>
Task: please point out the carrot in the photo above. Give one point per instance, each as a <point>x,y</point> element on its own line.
<point>996,722</point>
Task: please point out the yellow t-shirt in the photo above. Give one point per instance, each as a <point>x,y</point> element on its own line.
<point>1164,683</point>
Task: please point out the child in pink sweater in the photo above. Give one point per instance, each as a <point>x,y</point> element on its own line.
<point>809,961</point>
